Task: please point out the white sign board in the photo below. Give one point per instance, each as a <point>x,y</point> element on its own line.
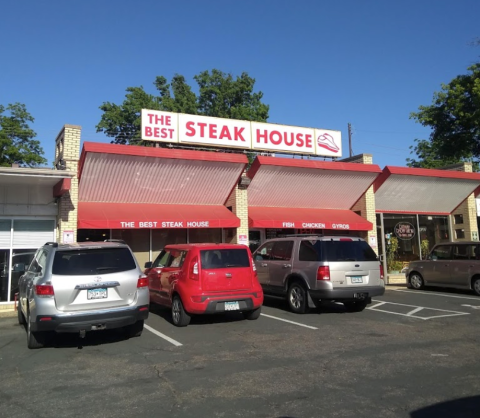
<point>232,133</point>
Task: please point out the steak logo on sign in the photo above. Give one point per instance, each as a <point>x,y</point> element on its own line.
<point>404,230</point>
<point>326,141</point>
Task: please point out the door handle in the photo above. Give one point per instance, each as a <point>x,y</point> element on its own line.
<point>286,266</point>
<point>264,265</point>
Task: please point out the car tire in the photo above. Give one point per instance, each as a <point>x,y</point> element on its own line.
<point>297,298</point>
<point>21,318</point>
<point>252,315</point>
<point>355,305</point>
<point>476,286</point>
<point>180,317</point>
<point>34,339</point>
<point>135,330</point>
<point>416,281</point>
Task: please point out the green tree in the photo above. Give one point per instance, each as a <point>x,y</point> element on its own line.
<point>219,95</point>
<point>454,117</point>
<point>17,145</point>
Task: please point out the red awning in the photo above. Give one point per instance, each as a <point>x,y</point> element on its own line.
<point>100,215</point>
<point>306,218</point>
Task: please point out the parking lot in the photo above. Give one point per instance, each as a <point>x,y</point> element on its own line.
<point>409,354</point>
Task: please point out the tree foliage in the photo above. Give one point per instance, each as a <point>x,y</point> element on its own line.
<point>17,145</point>
<point>454,117</point>
<point>219,94</point>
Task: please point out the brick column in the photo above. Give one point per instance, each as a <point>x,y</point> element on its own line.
<point>67,154</point>
<point>238,201</point>
<point>467,209</point>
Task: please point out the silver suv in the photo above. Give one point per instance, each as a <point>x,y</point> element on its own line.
<point>308,269</point>
<point>82,287</point>
<point>450,264</point>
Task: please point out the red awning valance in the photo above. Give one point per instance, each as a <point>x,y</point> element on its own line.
<point>98,215</point>
<point>306,218</point>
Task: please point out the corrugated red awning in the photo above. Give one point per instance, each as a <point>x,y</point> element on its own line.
<point>306,218</point>
<point>101,215</point>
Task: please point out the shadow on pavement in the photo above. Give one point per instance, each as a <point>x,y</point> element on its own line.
<point>464,408</point>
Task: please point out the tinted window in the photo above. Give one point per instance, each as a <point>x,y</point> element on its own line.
<point>441,253</point>
<point>87,262</point>
<point>38,263</point>
<point>176,258</point>
<point>264,252</point>
<point>282,250</point>
<point>162,259</point>
<point>465,252</point>
<point>336,251</point>
<point>219,259</point>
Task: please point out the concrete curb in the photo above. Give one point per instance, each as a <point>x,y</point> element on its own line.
<point>8,313</point>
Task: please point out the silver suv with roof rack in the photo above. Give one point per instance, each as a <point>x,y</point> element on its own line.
<point>308,269</point>
<point>82,287</point>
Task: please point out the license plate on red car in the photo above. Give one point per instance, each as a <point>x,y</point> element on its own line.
<point>97,294</point>
<point>232,306</point>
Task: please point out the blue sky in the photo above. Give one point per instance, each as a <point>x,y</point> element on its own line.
<point>319,63</point>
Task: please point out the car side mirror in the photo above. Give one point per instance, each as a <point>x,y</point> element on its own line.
<point>381,257</point>
<point>19,267</point>
<point>148,265</point>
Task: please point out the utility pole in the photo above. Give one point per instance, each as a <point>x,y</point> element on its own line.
<point>350,139</point>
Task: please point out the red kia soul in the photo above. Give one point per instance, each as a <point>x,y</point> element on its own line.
<point>197,279</point>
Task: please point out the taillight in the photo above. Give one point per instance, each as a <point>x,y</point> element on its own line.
<point>381,272</point>
<point>44,290</point>
<point>254,268</point>
<point>323,273</point>
<point>194,269</point>
<point>142,281</point>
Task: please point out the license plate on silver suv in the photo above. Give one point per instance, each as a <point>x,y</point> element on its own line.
<point>356,279</point>
<point>97,294</point>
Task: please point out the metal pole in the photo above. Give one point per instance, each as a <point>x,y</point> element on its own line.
<point>384,249</point>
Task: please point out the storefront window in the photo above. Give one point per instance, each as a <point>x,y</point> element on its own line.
<point>434,229</point>
<point>20,261</point>
<point>138,240</point>
<point>401,239</point>
<point>92,235</point>
<point>205,235</point>
<point>162,237</point>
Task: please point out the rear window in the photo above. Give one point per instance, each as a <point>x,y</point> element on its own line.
<point>88,262</point>
<point>336,251</point>
<point>228,258</point>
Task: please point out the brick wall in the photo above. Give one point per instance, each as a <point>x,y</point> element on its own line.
<point>67,148</point>
<point>238,201</point>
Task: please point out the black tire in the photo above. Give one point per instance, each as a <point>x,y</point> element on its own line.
<point>34,339</point>
<point>180,317</point>
<point>252,315</point>
<point>416,281</point>
<point>297,298</point>
<point>355,305</point>
<point>21,318</point>
<point>135,330</point>
<point>476,285</point>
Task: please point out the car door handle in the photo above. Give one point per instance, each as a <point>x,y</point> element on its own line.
<point>264,265</point>
<point>286,266</point>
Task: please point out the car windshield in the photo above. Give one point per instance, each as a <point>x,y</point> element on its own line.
<point>87,262</point>
<point>228,258</point>
<point>336,251</point>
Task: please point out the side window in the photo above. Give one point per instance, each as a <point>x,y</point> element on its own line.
<point>282,250</point>
<point>162,259</point>
<point>442,252</point>
<point>38,263</point>
<point>177,258</point>
<point>465,252</point>
<point>309,252</point>
<point>264,252</point>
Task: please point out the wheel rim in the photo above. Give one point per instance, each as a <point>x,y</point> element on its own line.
<point>296,298</point>
<point>416,281</point>
<point>176,311</point>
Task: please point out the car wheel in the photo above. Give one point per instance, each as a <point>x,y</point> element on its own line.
<point>135,330</point>
<point>476,286</point>
<point>252,315</point>
<point>416,281</point>
<point>297,298</point>
<point>21,318</point>
<point>180,317</point>
<point>355,305</point>
<point>34,339</point>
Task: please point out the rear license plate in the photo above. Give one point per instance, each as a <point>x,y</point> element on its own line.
<point>232,306</point>
<point>357,279</point>
<point>96,293</point>
<point>360,296</point>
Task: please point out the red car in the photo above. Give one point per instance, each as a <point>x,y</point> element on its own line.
<point>197,279</point>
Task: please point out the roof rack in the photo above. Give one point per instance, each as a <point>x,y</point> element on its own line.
<point>120,241</point>
<point>53,244</point>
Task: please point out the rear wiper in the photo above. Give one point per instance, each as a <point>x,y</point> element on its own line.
<point>108,268</point>
<point>233,265</point>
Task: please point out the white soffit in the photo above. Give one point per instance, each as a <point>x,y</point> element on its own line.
<point>140,179</point>
<point>279,186</point>
<point>418,194</point>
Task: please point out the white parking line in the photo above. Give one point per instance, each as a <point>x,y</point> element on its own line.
<point>290,322</point>
<point>415,310</point>
<point>437,294</point>
<point>165,337</point>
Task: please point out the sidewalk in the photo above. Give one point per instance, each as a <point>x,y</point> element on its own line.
<point>7,311</point>
<point>396,279</point>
